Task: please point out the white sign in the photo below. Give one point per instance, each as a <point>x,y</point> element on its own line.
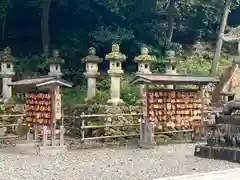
<point>58,105</point>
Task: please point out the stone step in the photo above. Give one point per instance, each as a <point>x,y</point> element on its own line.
<point>32,148</point>
<point>232,174</point>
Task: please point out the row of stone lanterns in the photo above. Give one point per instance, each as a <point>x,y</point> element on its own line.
<point>115,58</point>
<point>7,69</point>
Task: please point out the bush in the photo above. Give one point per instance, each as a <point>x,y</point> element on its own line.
<point>129,93</point>
<point>76,95</point>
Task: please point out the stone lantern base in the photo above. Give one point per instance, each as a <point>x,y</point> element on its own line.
<point>6,90</point>
<point>115,101</point>
<point>55,74</point>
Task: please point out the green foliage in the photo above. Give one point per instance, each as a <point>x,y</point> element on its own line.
<point>31,65</point>
<point>74,26</point>
<point>195,63</point>
<point>4,7</point>
<point>109,34</point>
<point>129,93</point>
<point>75,95</point>
<point>198,60</point>
<point>102,96</point>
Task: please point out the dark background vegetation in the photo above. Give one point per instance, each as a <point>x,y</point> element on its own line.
<point>33,28</point>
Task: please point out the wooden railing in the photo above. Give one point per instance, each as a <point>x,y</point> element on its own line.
<point>4,124</point>
<point>83,119</point>
<point>83,127</point>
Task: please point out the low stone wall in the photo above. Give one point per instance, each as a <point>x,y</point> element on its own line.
<point>105,109</point>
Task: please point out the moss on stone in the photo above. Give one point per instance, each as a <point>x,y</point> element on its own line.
<point>115,56</point>
<point>144,58</point>
<point>6,56</point>
<point>92,58</point>
<point>55,60</point>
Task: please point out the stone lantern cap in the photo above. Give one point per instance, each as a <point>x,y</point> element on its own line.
<point>170,58</point>
<point>92,57</point>
<point>232,36</point>
<point>55,59</point>
<point>144,56</point>
<point>6,55</point>
<point>115,55</point>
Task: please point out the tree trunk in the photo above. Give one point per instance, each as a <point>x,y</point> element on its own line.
<point>171,8</point>
<point>3,28</point>
<point>45,8</point>
<point>220,41</point>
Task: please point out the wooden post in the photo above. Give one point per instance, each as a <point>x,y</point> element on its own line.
<point>29,135</point>
<point>53,124</point>
<point>82,130</point>
<point>203,121</point>
<point>62,132</point>
<point>62,119</point>
<point>146,127</point>
<point>144,104</point>
<point>36,134</point>
<point>141,121</point>
<point>45,136</point>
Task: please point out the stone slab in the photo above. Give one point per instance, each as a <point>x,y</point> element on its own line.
<point>220,153</point>
<point>23,148</point>
<point>53,150</point>
<point>232,174</point>
<point>33,148</point>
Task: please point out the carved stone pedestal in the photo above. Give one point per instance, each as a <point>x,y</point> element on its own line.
<point>115,89</point>
<point>91,83</point>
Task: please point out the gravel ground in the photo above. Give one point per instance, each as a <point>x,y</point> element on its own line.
<point>109,164</point>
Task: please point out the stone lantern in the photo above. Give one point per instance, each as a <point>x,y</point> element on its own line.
<point>144,61</point>
<point>115,71</point>
<point>170,65</point>
<point>7,72</point>
<point>91,72</point>
<point>55,64</point>
<point>233,36</point>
